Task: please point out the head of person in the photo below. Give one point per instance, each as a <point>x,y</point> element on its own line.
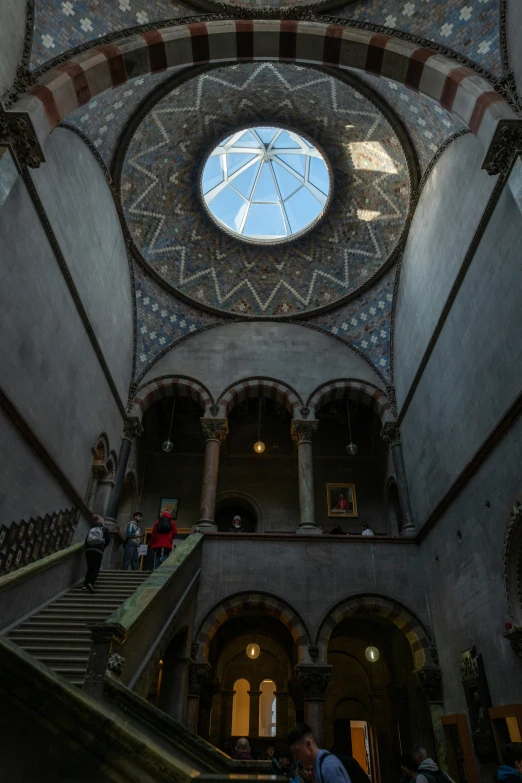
<point>284,761</point>
<point>137,516</point>
<point>419,753</point>
<point>270,751</point>
<point>166,514</point>
<point>168,507</point>
<point>242,745</point>
<point>364,525</point>
<point>409,767</point>
<point>237,521</point>
<point>512,756</point>
<point>341,496</point>
<point>303,745</point>
<point>307,773</point>
<point>98,520</point>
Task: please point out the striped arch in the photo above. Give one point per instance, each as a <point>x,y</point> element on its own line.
<point>69,85</point>
<point>169,387</point>
<point>259,387</point>
<point>420,642</point>
<point>247,604</point>
<point>355,390</point>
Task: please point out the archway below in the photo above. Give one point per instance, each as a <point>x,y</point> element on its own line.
<point>228,507</point>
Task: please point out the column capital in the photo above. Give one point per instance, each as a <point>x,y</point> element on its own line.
<point>214,429</point>
<point>132,428</point>
<point>314,680</point>
<point>506,144</point>
<point>429,680</point>
<point>391,433</point>
<point>254,693</point>
<point>303,431</point>
<point>17,133</point>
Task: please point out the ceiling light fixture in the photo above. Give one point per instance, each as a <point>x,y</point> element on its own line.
<point>253,650</point>
<point>167,445</point>
<point>351,448</point>
<point>259,446</point>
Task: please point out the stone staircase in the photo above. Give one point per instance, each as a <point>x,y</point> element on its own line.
<point>59,634</point>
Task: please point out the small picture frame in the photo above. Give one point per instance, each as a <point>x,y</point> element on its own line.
<point>170,505</point>
<point>341,501</point>
<point>3,535</point>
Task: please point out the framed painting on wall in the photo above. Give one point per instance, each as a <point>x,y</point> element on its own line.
<point>341,500</point>
<point>170,505</point>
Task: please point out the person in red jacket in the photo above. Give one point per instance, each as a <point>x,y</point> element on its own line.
<point>161,537</point>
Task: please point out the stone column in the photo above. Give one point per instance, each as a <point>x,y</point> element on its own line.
<point>281,714</point>
<point>215,431</point>
<point>103,494</point>
<point>132,429</point>
<point>430,683</point>
<point>391,434</point>
<point>206,699</point>
<point>98,472</point>
<point>314,680</point>
<point>253,722</point>
<point>197,676</point>
<point>227,702</point>
<point>303,431</point>
<point>174,686</point>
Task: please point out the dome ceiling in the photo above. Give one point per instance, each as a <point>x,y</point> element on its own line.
<point>182,245</point>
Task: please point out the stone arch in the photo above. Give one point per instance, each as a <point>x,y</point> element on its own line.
<point>512,563</point>
<point>259,387</point>
<point>257,602</point>
<point>71,84</point>
<point>354,389</point>
<point>422,647</point>
<point>168,386</point>
<point>101,449</point>
<point>236,493</point>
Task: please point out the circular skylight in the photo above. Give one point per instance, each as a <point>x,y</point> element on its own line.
<point>266,184</point>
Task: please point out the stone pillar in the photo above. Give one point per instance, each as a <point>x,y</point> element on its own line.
<point>174,687</point>
<point>281,714</point>
<point>227,702</point>
<point>253,722</point>
<point>215,431</point>
<point>302,432</point>
<point>314,680</point>
<point>391,434</point>
<point>103,494</point>
<point>430,683</point>
<point>197,676</point>
<point>206,699</point>
<point>132,429</point>
<point>296,694</point>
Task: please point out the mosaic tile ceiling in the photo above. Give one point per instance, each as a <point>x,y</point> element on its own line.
<point>160,193</point>
<point>467,26</point>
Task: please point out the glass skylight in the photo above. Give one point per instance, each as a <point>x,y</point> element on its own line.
<point>266,184</point>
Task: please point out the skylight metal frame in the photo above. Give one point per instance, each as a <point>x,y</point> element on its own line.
<point>267,153</point>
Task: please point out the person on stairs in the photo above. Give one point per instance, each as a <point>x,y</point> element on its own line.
<point>133,535</point>
<point>511,769</point>
<point>96,541</point>
<point>427,765</point>
<point>161,537</point>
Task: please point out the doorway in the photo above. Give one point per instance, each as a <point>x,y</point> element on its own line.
<point>352,738</point>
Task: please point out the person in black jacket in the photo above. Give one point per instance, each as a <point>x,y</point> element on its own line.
<point>236,526</point>
<point>96,541</point>
<point>511,769</point>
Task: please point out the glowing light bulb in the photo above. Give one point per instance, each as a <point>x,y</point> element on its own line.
<point>372,654</point>
<point>253,650</point>
<point>259,447</point>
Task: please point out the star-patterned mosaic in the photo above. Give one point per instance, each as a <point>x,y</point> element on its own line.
<point>163,209</point>
<point>470,27</point>
<point>60,25</point>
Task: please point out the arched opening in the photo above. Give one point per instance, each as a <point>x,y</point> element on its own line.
<point>357,477</point>
<point>374,707</point>
<point>267,709</point>
<point>241,708</point>
<point>226,510</point>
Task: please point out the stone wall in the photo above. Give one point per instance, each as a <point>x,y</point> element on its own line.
<point>12,30</point>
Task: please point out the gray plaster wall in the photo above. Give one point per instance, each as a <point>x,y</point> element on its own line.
<point>80,207</point>
<point>12,30</point>
<point>475,371</point>
<point>23,478</point>
<point>465,586</point>
<point>446,218</point>
<point>297,572</point>
<point>296,355</point>
<point>49,368</point>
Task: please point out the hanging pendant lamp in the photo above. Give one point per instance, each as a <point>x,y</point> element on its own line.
<point>351,448</point>
<point>168,445</point>
<point>259,446</point>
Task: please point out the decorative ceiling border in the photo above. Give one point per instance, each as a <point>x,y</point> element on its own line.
<point>344,77</point>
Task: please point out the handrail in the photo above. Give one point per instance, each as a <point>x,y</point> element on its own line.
<point>132,640</point>
<point>39,565</point>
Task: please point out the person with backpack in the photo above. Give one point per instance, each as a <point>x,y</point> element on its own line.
<point>427,766</point>
<point>327,767</point>
<point>161,537</point>
<point>96,541</point>
<point>133,535</point>
<point>511,769</point>
<point>410,771</point>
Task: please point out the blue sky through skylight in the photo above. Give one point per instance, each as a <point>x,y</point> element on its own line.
<point>265,183</point>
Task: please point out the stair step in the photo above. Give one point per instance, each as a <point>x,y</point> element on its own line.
<point>64,662</point>
<point>42,642</point>
<point>85,611</point>
<point>43,651</point>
